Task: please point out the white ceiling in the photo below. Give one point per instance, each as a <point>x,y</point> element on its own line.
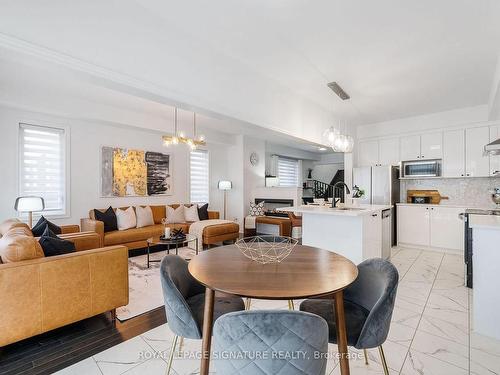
<point>36,86</point>
<point>260,61</point>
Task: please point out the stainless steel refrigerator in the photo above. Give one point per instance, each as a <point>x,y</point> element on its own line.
<point>381,186</point>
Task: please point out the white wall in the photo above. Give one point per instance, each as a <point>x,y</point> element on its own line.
<point>254,174</point>
<point>425,122</point>
<point>494,99</point>
<point>86,139</point>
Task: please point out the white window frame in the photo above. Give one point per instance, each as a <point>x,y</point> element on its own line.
<point>65,144</point>
<point>191,200</point>
<point>297,172</point>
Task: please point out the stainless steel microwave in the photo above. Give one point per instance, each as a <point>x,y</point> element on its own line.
<point>421,168</point>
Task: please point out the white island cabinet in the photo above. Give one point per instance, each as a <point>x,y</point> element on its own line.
<point>430,226</point>
<point>485,260</point>
<point>354,232</point>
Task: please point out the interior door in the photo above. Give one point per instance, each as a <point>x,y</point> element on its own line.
<point>476,163</point>
<point>454,153</point>
<point>362,177</point>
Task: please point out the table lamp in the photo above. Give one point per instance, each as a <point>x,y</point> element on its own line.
<point>29,204</point>
<point>225,185</point>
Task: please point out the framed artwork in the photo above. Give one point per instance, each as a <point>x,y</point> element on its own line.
<point>127,172</point>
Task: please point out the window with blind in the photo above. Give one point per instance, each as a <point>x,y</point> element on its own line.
<point>288,172</point>
<point>199,177</point>
<point>43,166</point>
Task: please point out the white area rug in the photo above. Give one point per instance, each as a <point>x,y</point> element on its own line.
<point>145,292</point>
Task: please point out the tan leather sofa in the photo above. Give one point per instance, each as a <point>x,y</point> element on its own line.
<point>44,293</point>
<point>136,238</point>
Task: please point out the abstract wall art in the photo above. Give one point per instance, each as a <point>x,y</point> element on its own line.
<point>127,172</point>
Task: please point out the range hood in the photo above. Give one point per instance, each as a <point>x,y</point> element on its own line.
<point>493,148</point>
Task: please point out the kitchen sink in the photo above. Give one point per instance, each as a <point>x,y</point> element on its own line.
<point>347,209</point>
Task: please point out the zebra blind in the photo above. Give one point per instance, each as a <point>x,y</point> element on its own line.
<point>43,166</point>
<point>199,177</point>
<point>288,172</point>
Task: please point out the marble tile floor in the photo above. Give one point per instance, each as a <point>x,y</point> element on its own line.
<point>430,331</point>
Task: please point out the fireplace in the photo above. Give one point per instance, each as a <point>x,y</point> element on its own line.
<point>270,206</point>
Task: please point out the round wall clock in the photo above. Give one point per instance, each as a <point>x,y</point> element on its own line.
<point>254,159</point>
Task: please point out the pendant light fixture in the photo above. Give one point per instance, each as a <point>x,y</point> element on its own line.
<point>338,141</point>
<point>179,137</point>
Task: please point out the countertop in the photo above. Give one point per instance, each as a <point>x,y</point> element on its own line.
<point>358,210</point>
<point>447,205</point>
<point>484,221</point>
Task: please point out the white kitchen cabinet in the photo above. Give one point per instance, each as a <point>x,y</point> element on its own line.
<point>388,151</point>
<point>446,228</point>
<point>413,225</point>
<point>494,159</point>
<point>438,227</point>
<point>476,163</point>
<point>454,153</point>
<point>431,146</point>
<point>372,235</point>
<point>368,153</point>
<point>378,152</point>
<point>410,147</point>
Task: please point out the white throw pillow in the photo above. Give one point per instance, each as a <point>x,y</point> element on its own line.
<point>191,213</point>
<point>175,215</point>
<point>126,218</point>
<point>144,216</point>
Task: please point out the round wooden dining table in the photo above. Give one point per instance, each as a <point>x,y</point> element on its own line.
<point>306,272</point>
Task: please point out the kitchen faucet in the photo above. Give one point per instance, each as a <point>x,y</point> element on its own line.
<point>336,187</point>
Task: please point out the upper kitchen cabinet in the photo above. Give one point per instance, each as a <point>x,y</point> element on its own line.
<point>454,153</point>
<point>389,151</point>
<point>476,163</point>
<point>378,152</point>
<point>494,159</point>
<point>431,146</point>
<point>410,147</point>
<point>425,146</point>
<point>367,153</point>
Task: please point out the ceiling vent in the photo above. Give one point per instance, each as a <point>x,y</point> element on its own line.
<point>338,90</point>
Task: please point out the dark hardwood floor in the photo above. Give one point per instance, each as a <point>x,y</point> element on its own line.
<point>62,347</point>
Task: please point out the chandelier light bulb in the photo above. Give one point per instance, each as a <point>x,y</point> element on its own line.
<point>175,140</point>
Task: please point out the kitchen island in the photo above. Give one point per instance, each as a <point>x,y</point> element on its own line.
<point>485,258</point>
<point>352,231</point>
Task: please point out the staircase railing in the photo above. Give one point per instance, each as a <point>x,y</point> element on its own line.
<point>321,189</point>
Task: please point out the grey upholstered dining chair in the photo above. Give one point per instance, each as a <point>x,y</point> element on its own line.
<point>368,304</point>
<point>270,342</point>
<point>185,301</point>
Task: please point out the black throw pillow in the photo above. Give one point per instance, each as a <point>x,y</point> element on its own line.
<point>40,226</point>
<point>203,212</point>
<point>108,217</point>
<point>53,245</point>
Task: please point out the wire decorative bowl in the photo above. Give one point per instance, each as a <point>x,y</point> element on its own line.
<point>266,249</point>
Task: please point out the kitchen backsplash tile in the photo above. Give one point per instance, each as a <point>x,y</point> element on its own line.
<point>473,192</point>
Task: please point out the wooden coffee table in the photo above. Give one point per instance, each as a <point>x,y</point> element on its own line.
<point>306,272</point>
